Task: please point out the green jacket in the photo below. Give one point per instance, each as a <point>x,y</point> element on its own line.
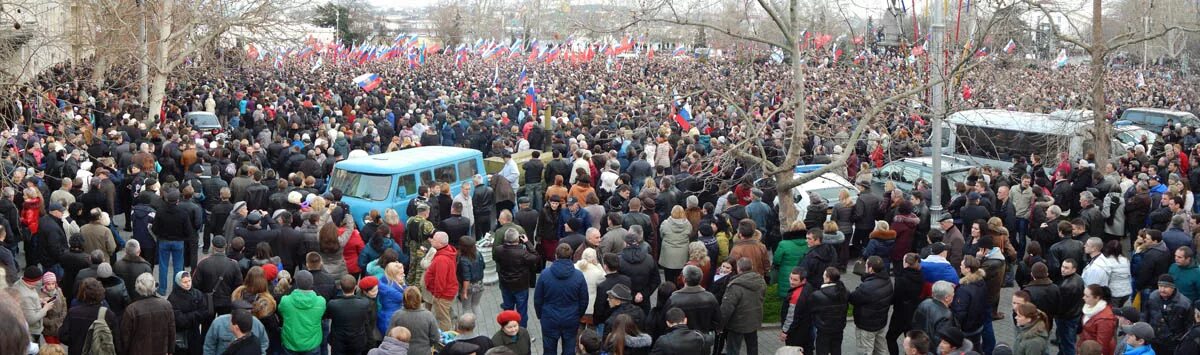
<point>788,255</point>
<point>1187,280</point>
<point>302,311</point>
<point>1032,340</point>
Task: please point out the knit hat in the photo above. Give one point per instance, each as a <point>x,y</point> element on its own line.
<point>1166,280</point>
<point>952,335</point>
<point>937,248</point>
<point>270,271</point>
<point>32,274</point>
<point>49,278</point>
<point>304,280</point>
<point>218,242</point>
<point>104,271</point>
<point>179,277</point>
<point>508,316</point>
<point>368,283</point>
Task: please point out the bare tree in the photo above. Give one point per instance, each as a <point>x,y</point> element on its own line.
<point>1099,49</point>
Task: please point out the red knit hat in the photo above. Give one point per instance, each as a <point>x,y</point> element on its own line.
<point>368,283</point>
<point>270,271</point>
<point>508,316</point>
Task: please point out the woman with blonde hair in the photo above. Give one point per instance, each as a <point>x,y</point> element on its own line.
<point>698,257</point>
<point>391,294</point>
<point>593,273</point>
<point>843,215</point>
<point>391,219</point>
<point>864,173</point>
<point>673,234</point>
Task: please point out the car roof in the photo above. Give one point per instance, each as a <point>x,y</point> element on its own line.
<point>1161,110</point>
<point>949,164</point>
<point>200,113</point>
<point>403,160</point>
<point>1063,122</point>
<point>826,180</point>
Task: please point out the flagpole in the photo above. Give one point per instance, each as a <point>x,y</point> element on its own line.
<point>939,109</point>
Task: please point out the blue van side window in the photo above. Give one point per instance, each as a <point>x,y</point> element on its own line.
<point>446,174</point>
<point>427,177</point>
<point>466,169</point>
<point>407,185</point>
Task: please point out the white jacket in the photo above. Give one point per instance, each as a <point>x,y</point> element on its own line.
<point>1120,280</point>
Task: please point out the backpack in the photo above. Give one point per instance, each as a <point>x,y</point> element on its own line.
<point>99,339</point>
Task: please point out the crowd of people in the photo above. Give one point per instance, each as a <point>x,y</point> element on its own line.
<point>629,237</point>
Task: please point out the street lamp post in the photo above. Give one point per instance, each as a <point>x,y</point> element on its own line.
<point>937,42</point>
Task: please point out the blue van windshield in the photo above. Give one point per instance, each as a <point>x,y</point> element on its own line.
<point>365,186</point>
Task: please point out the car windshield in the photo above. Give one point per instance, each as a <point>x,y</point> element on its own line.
<point>203,120</point>
<point>365,186</point>
<point>1133,136</point>
<point>831,193</point>
<point>957,176</point>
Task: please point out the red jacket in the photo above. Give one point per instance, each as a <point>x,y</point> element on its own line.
<point>353,248</point>
<point>441,278</point>
<point>1102,328</point>
<point>31,213</point>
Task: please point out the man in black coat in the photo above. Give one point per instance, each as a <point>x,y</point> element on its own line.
<point>871,301</point>
<point>905,298</point>
<point>701,306</point>
<point>531,184</point>
<point>258,229</point>
<point>974,210</point>
<point>346,314</point>
<point>455,225</point>
<point>556,167</point>
<point>51,239</point>
<point>289,244</point>
<point>1156,260</point>
<point>641,269</point>
<point>829,305</point>
<point>933,315</point>
<point>514,266</point>
<point>219,275</point>
<point>483,204</point>
<point>866,211</point>
<point>819,257</point>
<point>526,216</point>
<point>1070,291</point>
<point>612,277</point>
<point>1043,293</point>
<point>680,339</point>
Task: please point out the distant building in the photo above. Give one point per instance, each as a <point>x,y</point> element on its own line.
<point>37,34</point>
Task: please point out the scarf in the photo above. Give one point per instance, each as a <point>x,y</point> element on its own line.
<point>1090,311</point>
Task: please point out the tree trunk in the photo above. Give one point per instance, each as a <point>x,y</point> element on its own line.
<point>787,205</point>
<point>100,70</point>
<point>160,67</point>
<point>1100,126</point>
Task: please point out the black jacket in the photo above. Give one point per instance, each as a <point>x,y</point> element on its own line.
<point>257,234</point>
<point>1045,295</point>
<point>680,340</point>
<point>971,213</point>
<point>871,301</point>
<point>829,305</point>
<point>634,312</point>
<point>514,265</point>
<point>247,345</point>
<point>130,267</point>
<point>866,211</point>
<point>483,200</point>
<point>816,261</point>
<point>218,275</point>
<point>533,171</point>
<point>642,271</point>
<point>289,247</point>
<point>907,296</point>
<point>931,316</point>
<point>557,167</point>
<point>701,307</point>
<point>1070,291</point>
<point>1155,260</point>
<point>456,226</point>
<point>527,219</point>
<point>51,239</point>
<point>1068,248</point>
<point>600,309</point>
<point>174,224</point>
<point>347,314</point>
<point>970,306</point>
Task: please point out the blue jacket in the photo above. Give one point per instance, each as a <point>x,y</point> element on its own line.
<point>369,254</point>
<point>565,215</point>
<point>391,299</point>
<point>1175,238</point>
<point>935,268</point>
<point>220,336</point>
<point>561,295</point>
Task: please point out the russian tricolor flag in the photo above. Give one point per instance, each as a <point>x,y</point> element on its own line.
<point>368,81</point>
<point>1010,47</point>
<point>531,99</point>
<point>682,115</point>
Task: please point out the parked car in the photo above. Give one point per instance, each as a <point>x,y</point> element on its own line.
<point>1129,135</point>
<point>203,121</point>
<point>1154,119</point>
<point>905,173</point>
<point>828,186</point>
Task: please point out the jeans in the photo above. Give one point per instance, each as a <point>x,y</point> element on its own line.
<point>326,325</point>
<point>170,252</point>
<point>1021,237</point>
<point>517,300</point>
<point>989,338</point>
<point>1066,330</point>
<point>551,336</point>
<point>733,343</point>
<point>534,191</point>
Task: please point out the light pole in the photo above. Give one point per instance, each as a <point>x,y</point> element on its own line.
<point>936,49</point>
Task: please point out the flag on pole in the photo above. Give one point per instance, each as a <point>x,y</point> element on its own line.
<point>316,65</point>
<point>521,77</point>
<point>368,81</point>
<point>982,52</point>
<point>678,51</point>
<point>966,92</point>
<point>1010,47</point>
<point>1141,80</point>
<point>682,115</point>
<point>531,99</point>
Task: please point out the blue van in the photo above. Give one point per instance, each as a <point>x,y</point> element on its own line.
<point>390,180</point>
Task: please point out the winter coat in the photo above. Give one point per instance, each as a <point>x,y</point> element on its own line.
<point>441,278</point>
<point>246,345</point>
<point>191,310</point>
<point>1102,328</point>
<point>1045,295</point>
<point>906,296</point>
<point>421,324</point>
<point>1190,344</point>
<point>935,268</point>
<point>680,340</point>
<point>1070,305</point>
<point>147,327</point>
<point>53,321</point>
<point>753,249</point>
<point>674,237</point>
<point>829,305</point>
<point>79,320</point>
<point>600,309</point>
<point>347,315</point>
<point>130,267</point>
<point>98,237</point>
<point>905,227</point>
<point>115,293</point>
<point>302,311</point>
<point>1187,280</point>
<point>970,306</point>
<point>932,316</point>
<point>1032,339</point>
<point>643,274</point>
<point>701,307</point>
<point>390,346</point>
<point>351,250</point>
<point>514,265</point>
<point>519,344</point>
<point>1147,263</point>
<point>844,216</point>
<point>816,261</point>
<point>51,239</point>
<point>1171,318</point>
<point>561,295</point>
<point>741,307</point>
<point>219,275</point>
<point>788,254</point>
<point>872,300</point>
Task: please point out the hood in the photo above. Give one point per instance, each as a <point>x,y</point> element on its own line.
<point>818,206</point>
<point>392,345</point>
<point>906,219</point>
<point>677,226</point>
<point>750,281</point>
<point>562,269</point>
<point>633,255</point>
<point>143,210</point>
<point>305,299</point>
<point>883,234</point>
<point>447,252</point>
<point>641,341</point>
<point>976,276</point>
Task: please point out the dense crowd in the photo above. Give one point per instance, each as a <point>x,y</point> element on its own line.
<point>636,237</point>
